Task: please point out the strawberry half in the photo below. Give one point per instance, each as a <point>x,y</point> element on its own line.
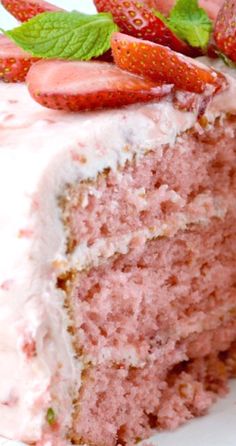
<point>161,64</point>
<point>225,29</point>
<point>24,10</point>
<point>137,20</point>
<point>77,86</point>
<point>14,62</point>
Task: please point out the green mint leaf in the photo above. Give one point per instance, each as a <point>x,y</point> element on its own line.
<point>191,23</point>
<point>65,35</point>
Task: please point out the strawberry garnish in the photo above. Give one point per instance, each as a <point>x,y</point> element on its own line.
<point>14,62</point>
<point>137,20</point>
<point>24,10</point>
<point>77,86</point>
<point>161,64</point>
<point>225,29</point>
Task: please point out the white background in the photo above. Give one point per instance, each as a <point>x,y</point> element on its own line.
<point>216,429</point>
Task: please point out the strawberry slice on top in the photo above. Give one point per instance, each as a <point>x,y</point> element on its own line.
<point>24,10</point>
<point>14,62</point>
<point>161,64</point>
<point>78,86</point>
<point>225,29</point>
<point>137,20</point>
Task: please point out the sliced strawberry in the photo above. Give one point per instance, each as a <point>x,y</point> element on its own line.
<point>24,10</point>
<point>77,86</point>
<point>14,62</point>
<point>161,64</point>
<point>135,19</point>
<point>225,29</point>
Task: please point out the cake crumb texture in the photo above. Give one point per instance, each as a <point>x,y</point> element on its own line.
<point>154,325</point>
<point>155,328</point>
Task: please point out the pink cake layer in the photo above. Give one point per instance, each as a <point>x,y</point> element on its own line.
<point>160,292</point>
<point>153,188</point>
<point>168,302</point>
<point>119,406</point>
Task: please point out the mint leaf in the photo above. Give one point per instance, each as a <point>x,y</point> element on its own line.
<point>191,23</point>
<point>65,35</point>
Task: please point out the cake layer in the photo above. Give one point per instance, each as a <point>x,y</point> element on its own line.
<point>135,305</point>
<point>151,327</point>
<point>148,191</point>
<point>117,405</point>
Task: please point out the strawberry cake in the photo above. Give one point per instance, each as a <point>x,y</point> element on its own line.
<point>117,235</point>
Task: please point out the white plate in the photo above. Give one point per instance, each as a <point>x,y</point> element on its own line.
<point>219,427</point>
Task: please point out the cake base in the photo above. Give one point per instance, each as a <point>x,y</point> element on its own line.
<point>149,401</point>
<point>157,341</point>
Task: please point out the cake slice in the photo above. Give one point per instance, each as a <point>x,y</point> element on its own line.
<point>117,268</point>
<point>117,235</point>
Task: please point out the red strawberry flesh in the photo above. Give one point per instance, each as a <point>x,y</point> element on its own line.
<point>77,86</point>
<point>24,10</point>
<point>137,20</point>
<point>161,64</point>
<point>14,62</point>
<point>225,29</point>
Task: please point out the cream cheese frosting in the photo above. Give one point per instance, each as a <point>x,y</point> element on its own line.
<point>42,151</point>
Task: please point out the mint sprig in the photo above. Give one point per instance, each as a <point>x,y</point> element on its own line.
<point>191,23</point>
<point>65,35</point>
